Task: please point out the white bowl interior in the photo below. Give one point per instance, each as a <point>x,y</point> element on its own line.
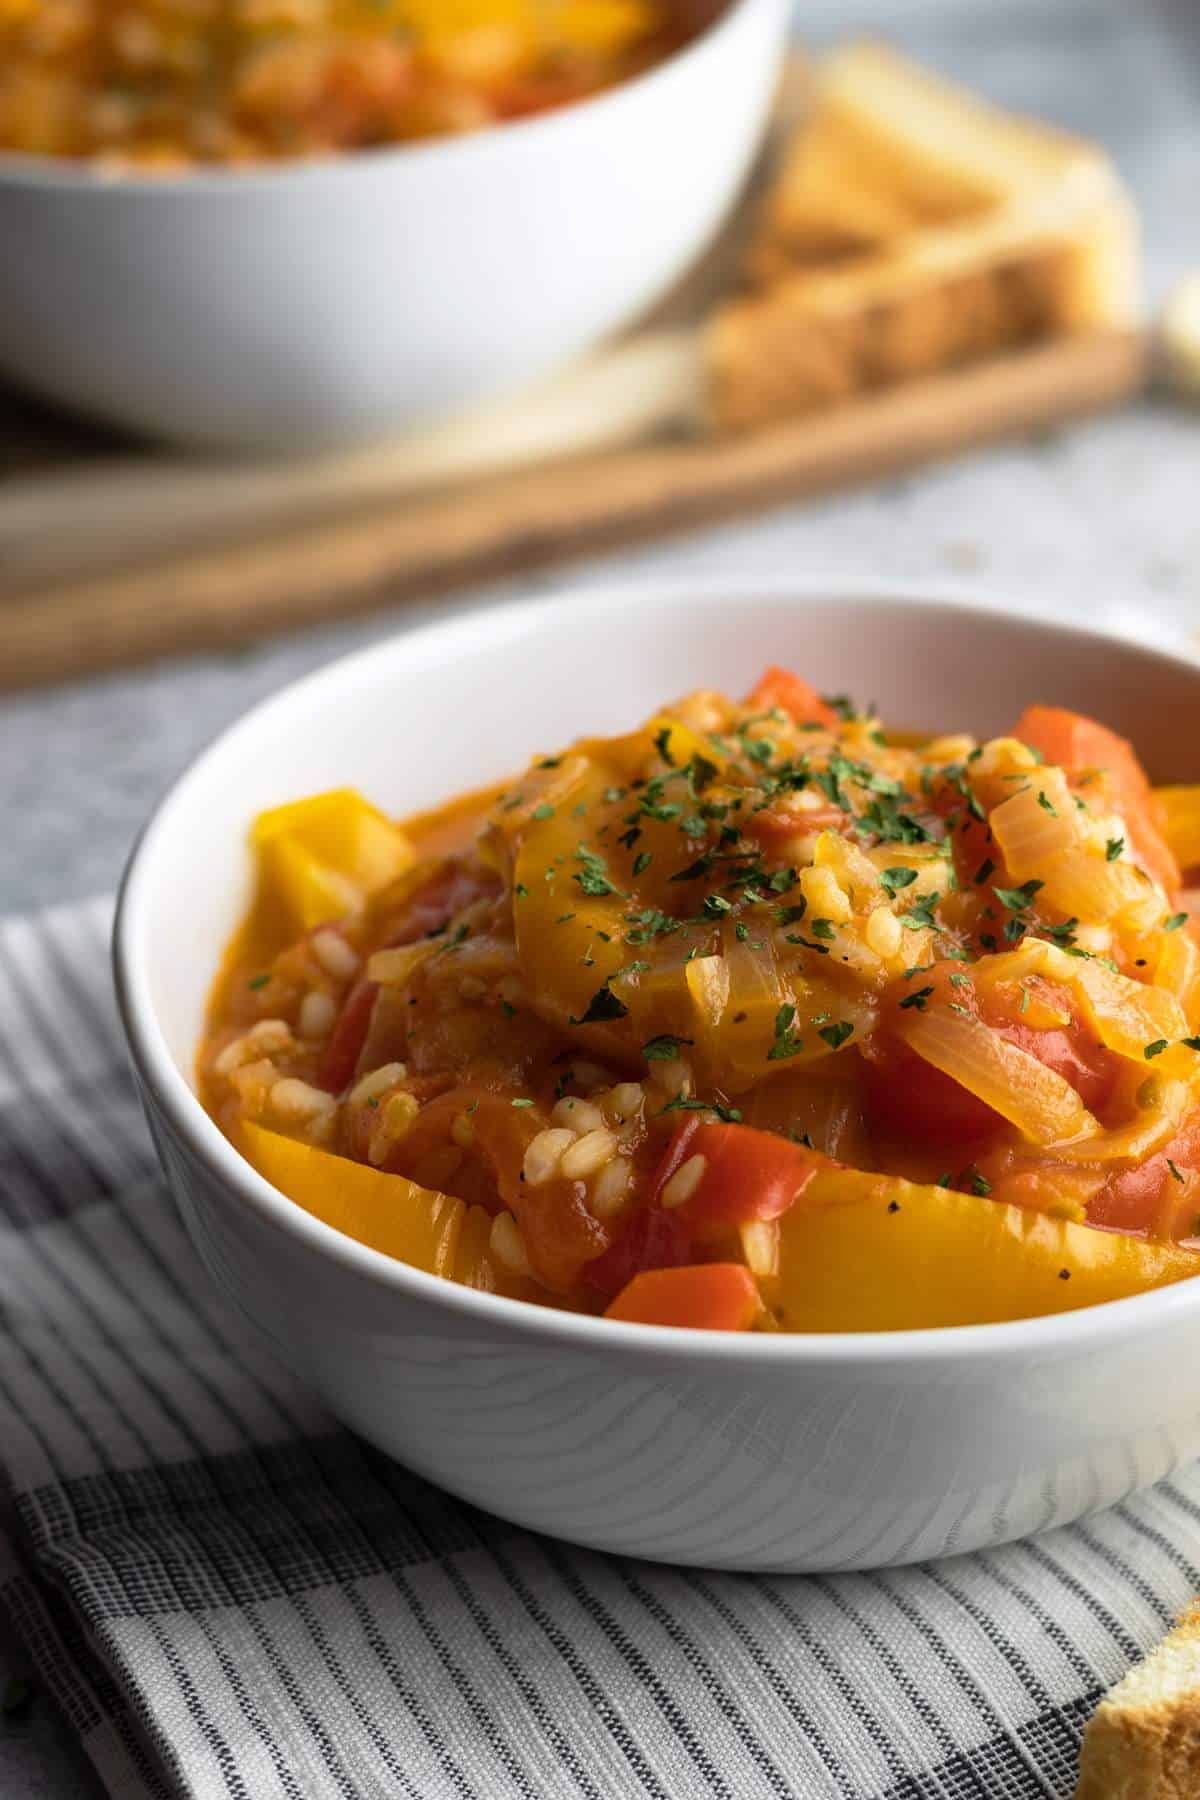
<point>457,705</point>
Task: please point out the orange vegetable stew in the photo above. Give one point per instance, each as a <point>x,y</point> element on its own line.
<point>755,1018</point>
<point>167,84</point>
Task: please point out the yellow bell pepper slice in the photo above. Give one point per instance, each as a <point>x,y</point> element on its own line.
<point>865,1252</point>
<point>320,858</point>
<point>386,1212</point>
<point>430,1231</point>
<point>1178,810</point>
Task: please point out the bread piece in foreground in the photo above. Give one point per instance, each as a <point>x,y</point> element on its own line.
<point>1143,1741</point>
<point>914,228</point>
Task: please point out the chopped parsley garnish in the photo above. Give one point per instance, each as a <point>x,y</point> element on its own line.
<point>1155,1049</point>
<point>728,1115</point>
<point>956,775</point>
<point>1174,1168</point>
<point>919,998</point>
<point>1046,804</point>
<point>664,1048</point>
<point>976,1183</point>
<point>593,877</point>
<point>786,1042</point>
<point>984,872</point>
<point>920,917</point>
<point>792,915</point>
<point>258,981</point>
<point>522,1102</point>
<point>835,1035</point>
<point>641,862</point>
<point>1175,921</point>
<point>1019,899</point>
<point>662,742</point>
<point>715,904</point>
<point>892,880</point>
<point>843,706</point>
<point>649,925</point>
<point>1063,935</point>
<point>696,869</point>
<point>1193,1043</point>
<point>822,928</point>
<point>521,891</point>
<point>701,773</point>
<point>1113,849</point>
<point>884,819</point>
<point>602,1007</point>
<point>544,811</point>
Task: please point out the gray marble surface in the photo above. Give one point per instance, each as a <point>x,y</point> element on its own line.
<point>1101,521</point>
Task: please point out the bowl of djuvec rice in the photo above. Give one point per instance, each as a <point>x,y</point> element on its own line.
<point>298,227</point>
<point>847,1218</point>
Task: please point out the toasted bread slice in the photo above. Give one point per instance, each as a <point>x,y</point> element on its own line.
<point>1143,1741</point>
<point>912,228</point>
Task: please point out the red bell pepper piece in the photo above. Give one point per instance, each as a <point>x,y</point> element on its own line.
<point>705,1296</point>
<point>349,1034</point>
<point>1075,742</point>
<point>779,687</point>
<point>748,1175</point>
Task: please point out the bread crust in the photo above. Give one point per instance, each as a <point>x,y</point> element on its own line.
<point>877,260</point>
<point>1143,1741</point>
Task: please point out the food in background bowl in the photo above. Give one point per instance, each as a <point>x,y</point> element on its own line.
<point>168,83</point>
<point>754,1018</point>
<point>399,286</point>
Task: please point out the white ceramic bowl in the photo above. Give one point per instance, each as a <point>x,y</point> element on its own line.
<point>753,1452</point>
<point>330,301</point>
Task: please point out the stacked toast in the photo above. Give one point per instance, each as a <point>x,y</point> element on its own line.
<point>913,227</point>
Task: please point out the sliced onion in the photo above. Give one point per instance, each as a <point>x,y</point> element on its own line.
<point>1178,970</point>
<point>1126,1015</point>
<point>707,983</point>
<point>1028,833</point>
<point>756,993</point>
<point>1083,885</point>
<point>1043,1107</point>
<point>1145,1136</point>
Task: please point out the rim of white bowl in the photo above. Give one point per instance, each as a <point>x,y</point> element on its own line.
<point>1048,1335</point>
<point>22,168</point>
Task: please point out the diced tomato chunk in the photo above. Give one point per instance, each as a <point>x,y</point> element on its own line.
<point>653,1239</point>
<point>340,1058</point>
<point>704,1296</point>
<point>910,1100</point>
<point>779,687</point>
<point>747,1175</point>
<point>1158,1198</point>
<point>1075,743</point>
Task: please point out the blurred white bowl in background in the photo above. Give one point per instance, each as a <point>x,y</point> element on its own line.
<point>317,303</point>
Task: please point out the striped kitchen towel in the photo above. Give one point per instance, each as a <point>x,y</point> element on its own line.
<point>230,1596</point>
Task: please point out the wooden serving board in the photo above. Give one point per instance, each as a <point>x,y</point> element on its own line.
<point>112,552</point>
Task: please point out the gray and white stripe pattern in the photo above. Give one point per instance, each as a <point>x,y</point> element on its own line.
<point>232,1598</point>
